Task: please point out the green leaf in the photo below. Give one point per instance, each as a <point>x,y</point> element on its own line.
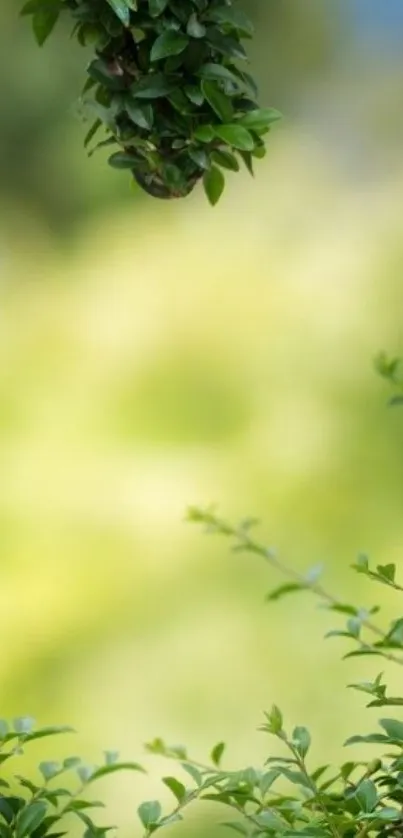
<point>367,795</point>
<point>194,94</point>
<point>225,159</point>
<point>259,119</point>
<point>44,21</point>
<point>112,767</point>
<point>217,72</point>
<point>371,738</point>
<point>30,817</point>
<point>71,762</point>
<point>233,17</point>
<point>177,788</point>
<point>275,720</point>
<point>219,102</point>
<point>388,571</point>
<point>111,757</point>
<point>102,73</point>
<point>122,11</point>
<point>235,136</point>
<point>393,728</point>
<point>200,157</point>
<point>157,7</point>
<point>141,113</point>
<point>50,769</point>
<point>267,780</point>
<point>282,590</point>
<point>92,132</point>
<point>149,812</point>
<point>24,724</point>
<point>302,740</point>
<point>152,87</point>
<point>169,43</point>
<point>194,28</point>
<point>214,183</point>
<point>78,805</point>
<point>193,772</point>
<point>388,814</point>
<point>216,753</point>
<point>204,133</point>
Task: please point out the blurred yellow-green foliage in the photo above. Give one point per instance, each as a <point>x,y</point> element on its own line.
<point>154,356</point>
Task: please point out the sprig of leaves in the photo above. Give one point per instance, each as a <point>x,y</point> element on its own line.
<point>168,87</point>
<point>358,618</point>
<point>39,809</point>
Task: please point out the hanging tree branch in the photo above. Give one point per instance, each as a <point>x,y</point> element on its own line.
<point>167,87</point>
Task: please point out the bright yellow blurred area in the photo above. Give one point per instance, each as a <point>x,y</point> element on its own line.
<point>178,355</point>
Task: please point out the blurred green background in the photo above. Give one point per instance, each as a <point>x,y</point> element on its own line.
<point>154,356</point>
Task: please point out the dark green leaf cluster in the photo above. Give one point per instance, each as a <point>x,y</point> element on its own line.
<point>168,87</point>
<point>40,809</point>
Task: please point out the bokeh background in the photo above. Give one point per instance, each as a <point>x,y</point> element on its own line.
<point>158,355</point>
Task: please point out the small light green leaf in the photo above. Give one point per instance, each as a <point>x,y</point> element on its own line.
<point>393,728</point>
<point>275,718</point>
<point>371,738</point>
<point>282,590</point>
<point>314,573</point>
<point>302,740</point>
<point>214,183</point>
<point>194,28</point>
<point>24,724</point>
<point>111,757</point>
<point>50,769</point>
<point>71,762</point>
<point>268,779</point>
<point>217,753</point>
<point>193,772</point>
<point>388,814</point>
<point>85,772</point>
<point>149,812</point>
<point>367,795</point>
<point>388,571</point>
<point>111,768</point>
<point>177,788</point>
<point>194,94</point>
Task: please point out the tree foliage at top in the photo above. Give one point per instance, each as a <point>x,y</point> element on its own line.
<point>168,87</point>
